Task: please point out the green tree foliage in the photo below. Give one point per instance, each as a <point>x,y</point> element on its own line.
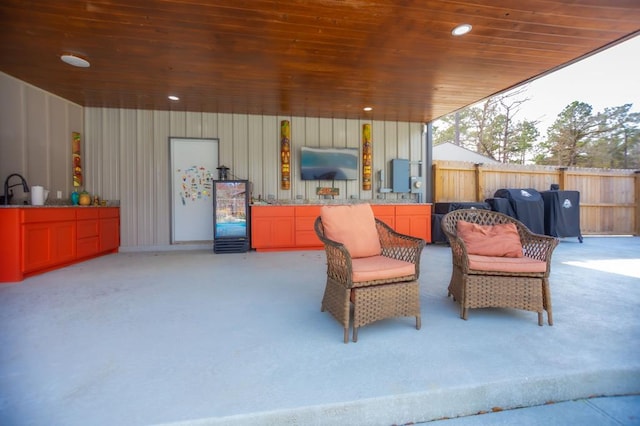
<point>578,136</point>
<point>568,137</point>
<point>620,140</point>
<point>490,129</point>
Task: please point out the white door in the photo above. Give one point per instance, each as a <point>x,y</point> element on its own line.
<point>193,169</point>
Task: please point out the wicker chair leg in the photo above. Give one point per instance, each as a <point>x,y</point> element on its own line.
<point>540,320</point>
<point>547,301</point>
<point>355,334</point>
<point>418,322</point>
<point>346,335</point>
<point>463,312</point>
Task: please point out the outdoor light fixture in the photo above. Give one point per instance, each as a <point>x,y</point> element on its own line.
<point>461,29</point>
<point>367,109</point>
<point>74,60</point>
<point>173,98</point>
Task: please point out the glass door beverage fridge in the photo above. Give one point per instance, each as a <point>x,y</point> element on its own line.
<point>230,216</point>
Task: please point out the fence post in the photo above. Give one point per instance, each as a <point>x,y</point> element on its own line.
<point>479,183</point>
<point>636,184</point>
<point>562,178</point>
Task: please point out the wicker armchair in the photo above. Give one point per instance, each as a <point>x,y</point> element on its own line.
<point>520,283</point>
<point>376,299</point>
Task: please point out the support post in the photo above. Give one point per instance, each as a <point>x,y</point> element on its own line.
<point>636,184</point>
<point>479,183</point>
<point>437,186</point>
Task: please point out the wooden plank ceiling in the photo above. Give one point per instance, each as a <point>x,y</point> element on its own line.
<point>321,58</point>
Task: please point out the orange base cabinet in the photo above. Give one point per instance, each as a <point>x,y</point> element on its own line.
<point>414,220</point>
<point>306,238</point>
<point>291,227</point>
<point>109,229</point>
<point>39,239</point>
<point>272,228</point>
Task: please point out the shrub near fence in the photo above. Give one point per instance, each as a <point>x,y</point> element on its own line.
<point>609,199</point>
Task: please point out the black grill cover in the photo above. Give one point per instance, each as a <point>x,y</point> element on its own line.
<point>469,205</point>
<point>527,205</point>
<point>501,205</point>
<point>441,208</point>
<point>437,234</point>
<point>444,208</point>
<point>562,213</point>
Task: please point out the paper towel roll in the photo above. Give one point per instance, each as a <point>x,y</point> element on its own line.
<point>37,195</point>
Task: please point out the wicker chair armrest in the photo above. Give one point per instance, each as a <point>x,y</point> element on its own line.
<point>459,254</point>
<point>399,246</point>
<point>339,266</point>
<point>536,246</point>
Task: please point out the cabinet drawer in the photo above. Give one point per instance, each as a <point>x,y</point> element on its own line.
<point>31,215</point>
<point>307,239</point>
<point>305,223</point>
<point>420,209</point>
<point>267,211</point>
<point>379,211</point>
<point>88,228</point>
<point>87,247</point>
<point>87,213</point>
<point>308,211</point>
<point>305,234</point>
<point>109,212</point>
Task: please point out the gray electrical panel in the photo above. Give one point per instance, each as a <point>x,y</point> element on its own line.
<point>400,174</point>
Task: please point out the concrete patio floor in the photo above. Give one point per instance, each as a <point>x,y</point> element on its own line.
<point>192,337</point>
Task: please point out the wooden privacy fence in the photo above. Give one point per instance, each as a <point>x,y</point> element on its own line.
<point>609,199</point>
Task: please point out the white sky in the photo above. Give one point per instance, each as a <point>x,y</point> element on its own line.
<point>607,79</point>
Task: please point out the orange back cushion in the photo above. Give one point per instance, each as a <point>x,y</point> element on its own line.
<point>490,240</point>
<point>354,226</point>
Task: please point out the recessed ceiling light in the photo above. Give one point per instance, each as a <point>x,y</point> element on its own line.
<point>173,98</point>
<point>74,60</point>
<point>367,109</point>
<point>461,29</point>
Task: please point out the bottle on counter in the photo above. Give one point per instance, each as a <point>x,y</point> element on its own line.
<point>75,198</point>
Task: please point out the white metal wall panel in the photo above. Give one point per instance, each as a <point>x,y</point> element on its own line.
<point>193,125</point>
<point>145,177</point>
<point>270,158</point>
<point>12,127</point>
<point>255,155</point>
<point>209,125</point>
<point>127,183</point>
<point>347,134</point>
<point>59,147</point>
<point>35,135</point>
<point>240,154</point>
<point>161,159</point>
<point>225,129</point>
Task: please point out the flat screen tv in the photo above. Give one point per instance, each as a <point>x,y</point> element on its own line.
<point>329,163</point>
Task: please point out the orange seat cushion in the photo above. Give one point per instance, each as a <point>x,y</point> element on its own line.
<point>380,268</point>
<point>500,240</point>
<point>506,264</point>
<point>354,226</point>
